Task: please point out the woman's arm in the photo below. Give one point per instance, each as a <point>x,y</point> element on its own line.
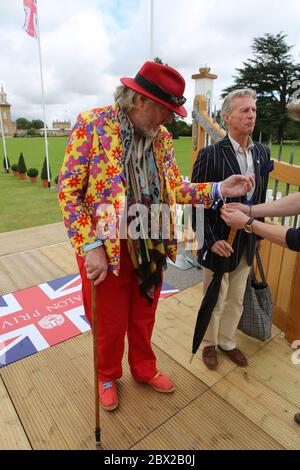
<point>289,205</point>
<point>282,235</point>
<point>274,233</point>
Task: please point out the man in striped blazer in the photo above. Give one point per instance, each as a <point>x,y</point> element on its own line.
<point>234,154</point>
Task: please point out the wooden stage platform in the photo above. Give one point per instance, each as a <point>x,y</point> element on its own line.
<point>47,399</point>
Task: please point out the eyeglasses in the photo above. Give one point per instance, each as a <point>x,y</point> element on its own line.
<point>177,100</point>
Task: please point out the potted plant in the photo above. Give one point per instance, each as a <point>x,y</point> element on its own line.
<point>33,173</point>
<point>14,169</point>
<point>22,167</point>
<point>44,175</point>
<point>6,169</point>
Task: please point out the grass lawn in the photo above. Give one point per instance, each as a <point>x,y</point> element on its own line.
<point>34,152</point>
<point>23,204</point>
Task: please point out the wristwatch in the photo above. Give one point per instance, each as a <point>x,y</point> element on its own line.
<point>248,225</point>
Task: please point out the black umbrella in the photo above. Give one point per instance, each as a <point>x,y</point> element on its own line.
<point>210,300</point>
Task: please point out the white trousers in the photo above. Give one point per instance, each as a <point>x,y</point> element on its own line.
<point>229,307</point>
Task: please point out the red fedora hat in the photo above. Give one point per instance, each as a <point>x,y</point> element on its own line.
<point>161,83</point>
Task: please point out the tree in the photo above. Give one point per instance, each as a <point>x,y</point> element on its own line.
<point>32,133</point>
<point>184,129</point>
<point>173,128</point>
<point>4,164</point>
<point>159,61</point>
<point>37,124</point>
<point>179,128</point>
<point>23,123</point>
<point>271,73</point>
<point>21,164</point>
<point>44,174</point>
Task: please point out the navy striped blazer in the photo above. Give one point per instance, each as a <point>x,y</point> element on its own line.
<point>216,163</point>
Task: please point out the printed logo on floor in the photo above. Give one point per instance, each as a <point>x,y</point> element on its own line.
<point>36,318</point>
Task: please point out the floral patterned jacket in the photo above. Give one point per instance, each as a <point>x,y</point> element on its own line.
<point>93,176</point>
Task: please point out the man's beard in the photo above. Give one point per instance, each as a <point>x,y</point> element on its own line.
<point>146,132</point>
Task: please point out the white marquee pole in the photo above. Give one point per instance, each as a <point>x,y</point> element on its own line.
<point>3,140</point>
<point>43,100</point>
<point>151,49</point>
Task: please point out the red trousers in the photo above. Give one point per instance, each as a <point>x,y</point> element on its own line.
<point>121,309</point>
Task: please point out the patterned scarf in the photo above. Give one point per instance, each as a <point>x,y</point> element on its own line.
<point>146,249</point>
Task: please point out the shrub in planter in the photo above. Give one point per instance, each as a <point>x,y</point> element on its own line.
<point>14,169</point>
<point>22,167</point>
<point>33,173</point>
<point>6,170</point>
<point>44,176</point>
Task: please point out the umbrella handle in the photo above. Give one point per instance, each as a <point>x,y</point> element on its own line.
<point>230,239</point>
<point>232,232</point>
<point>95,351</point>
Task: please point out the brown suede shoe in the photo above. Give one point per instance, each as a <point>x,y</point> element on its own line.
<point>236,356</point>
<point>297,418</point>
<point>209,356</point>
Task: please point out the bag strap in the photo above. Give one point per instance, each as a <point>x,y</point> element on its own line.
<point>260,267</point>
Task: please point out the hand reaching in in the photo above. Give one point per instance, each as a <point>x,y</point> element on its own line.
<point>237,185</point>
<point>233,217</point>
<point>241,207</point>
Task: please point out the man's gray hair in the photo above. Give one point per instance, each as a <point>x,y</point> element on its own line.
<point>294,110</point>
<point>227,103</point>
<point>124,97</point>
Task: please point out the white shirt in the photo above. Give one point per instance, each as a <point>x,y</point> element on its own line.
<point>245,159</point>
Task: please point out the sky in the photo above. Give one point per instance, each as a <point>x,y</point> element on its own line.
<point>87,45</point>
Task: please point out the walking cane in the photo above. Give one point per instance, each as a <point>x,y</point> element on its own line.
<point>95,347</point>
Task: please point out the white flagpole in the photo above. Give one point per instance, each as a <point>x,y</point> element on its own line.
<point>151,29</point>
<point>3,139</point>
<point>43,97</point>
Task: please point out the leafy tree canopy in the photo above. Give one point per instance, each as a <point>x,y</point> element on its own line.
<point>37,124</point>
<point>23,123</point>
<point>271,72</point>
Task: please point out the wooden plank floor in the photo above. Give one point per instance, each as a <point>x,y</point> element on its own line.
<point>47,398</point>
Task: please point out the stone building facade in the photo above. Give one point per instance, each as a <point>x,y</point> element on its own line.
<point>59,129</point>
<point>9,126</point>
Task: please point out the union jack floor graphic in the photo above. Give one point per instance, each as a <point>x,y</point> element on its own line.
<point>36,318</point>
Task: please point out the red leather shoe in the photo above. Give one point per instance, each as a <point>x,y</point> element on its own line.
<point>108,395</point>
<point>161,383</point>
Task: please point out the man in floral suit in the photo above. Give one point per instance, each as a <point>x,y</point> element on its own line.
<point>119,166</point>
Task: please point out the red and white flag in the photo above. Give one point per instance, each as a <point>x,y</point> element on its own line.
<point>30,24</point>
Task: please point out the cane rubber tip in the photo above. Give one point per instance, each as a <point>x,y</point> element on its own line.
<point>98,438</point>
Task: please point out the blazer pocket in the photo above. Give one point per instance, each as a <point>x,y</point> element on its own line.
<point>267,168</point>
